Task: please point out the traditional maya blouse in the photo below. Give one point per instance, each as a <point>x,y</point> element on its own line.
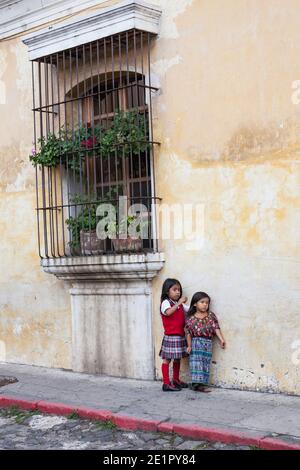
<point>206,327</point>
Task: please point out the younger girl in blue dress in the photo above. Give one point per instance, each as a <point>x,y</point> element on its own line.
<point>201,326</point>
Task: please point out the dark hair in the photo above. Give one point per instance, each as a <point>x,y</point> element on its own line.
<point>196,297</point>
<point>167,286</point>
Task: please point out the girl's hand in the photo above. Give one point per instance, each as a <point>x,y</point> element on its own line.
<point>223,344</point>
<point>189,349</point>
<point>182,300</point>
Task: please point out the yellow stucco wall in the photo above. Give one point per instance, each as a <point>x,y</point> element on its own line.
<point>229,135</point>
<point>35,319</point>
<point>230,140</point>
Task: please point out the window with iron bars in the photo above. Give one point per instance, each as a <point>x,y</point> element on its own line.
<point>93,147</point>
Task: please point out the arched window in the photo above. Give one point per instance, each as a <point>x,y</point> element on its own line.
<point>124,92</point>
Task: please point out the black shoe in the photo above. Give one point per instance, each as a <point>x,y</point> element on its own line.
<point>170,388</point>
<point>180,384</point>
<point>193,387</point>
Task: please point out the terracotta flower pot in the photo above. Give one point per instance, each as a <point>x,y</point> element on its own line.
<point>90,244</point>
<point>127,244</point>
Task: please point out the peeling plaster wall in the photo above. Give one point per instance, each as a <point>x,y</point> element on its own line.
<point>35,318</point>
<point>35,308</point>
<point>229,137</point>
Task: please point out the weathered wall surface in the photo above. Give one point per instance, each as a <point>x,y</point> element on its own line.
<point>230,140</point>
<point>35,308</point>
<point>35,319</point>
<point>229,137</point>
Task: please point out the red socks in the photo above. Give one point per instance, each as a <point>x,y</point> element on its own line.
<point>176,369</point>
<point>165,373</point>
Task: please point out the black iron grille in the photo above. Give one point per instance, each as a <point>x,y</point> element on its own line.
<point>93,143</point>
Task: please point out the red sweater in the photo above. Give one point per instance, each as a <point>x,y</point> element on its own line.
<point>174,324</point>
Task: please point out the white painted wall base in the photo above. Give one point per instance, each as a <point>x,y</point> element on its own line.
<point>112,329</point>
<point>111,301</point>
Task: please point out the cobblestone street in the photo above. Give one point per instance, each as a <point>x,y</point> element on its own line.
<point>32,430</point>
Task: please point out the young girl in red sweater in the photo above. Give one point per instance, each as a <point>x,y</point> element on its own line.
<point>174,346</point>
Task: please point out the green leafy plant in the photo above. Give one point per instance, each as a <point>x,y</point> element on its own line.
<point>73,415</point>
<point>68,147</point>
<point>128,130</point>
<point>132,228</point>
<point>114,228</point>
<point>19,414</point>
<point>127,133</point>
<point>85,220</point>
<point>107,424</point>
<point>49,151</point>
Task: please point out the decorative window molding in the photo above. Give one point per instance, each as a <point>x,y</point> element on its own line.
<point>81,30</point>
<point>125,267</point>
<point>8,3</point>
<point>18,16</point>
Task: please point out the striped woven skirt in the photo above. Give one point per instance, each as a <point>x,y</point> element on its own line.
<point>173,347</point>
<point>200,359</point>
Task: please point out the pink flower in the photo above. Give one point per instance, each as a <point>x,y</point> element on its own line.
<point>33,151</point>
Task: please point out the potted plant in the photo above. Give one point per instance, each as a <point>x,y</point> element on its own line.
<point>67,146</point>
<point>82,228</point>
<point>127,130</point>
<point>133,241</point>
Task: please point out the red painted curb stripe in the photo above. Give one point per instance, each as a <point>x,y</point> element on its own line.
<point>274,444</point>
<point>129,422</point>
<point>91,413</point>
<point>212,434</point>
<point>165,427</point>
<point>55,408</point>
<point>6,401</point>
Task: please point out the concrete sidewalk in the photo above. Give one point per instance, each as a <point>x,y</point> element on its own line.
<point>226,415</point>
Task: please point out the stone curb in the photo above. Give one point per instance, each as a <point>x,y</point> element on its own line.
<point>131,423</point>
